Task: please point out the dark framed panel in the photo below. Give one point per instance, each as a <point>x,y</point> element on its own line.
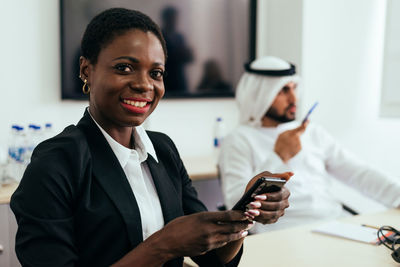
<point>208,42</point>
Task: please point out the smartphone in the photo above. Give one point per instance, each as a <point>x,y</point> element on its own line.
<point>261,186</point>
<point>309,112</point>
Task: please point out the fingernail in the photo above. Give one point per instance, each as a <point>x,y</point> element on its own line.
<point>255,204</point>
<point>254,212</point>
<point>261,197</point>
<point>250,225</point>
<point>243,234</point>
<point>248,215</point>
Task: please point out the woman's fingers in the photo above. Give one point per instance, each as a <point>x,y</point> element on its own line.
<point>271,201</point>
<point>227,228</point>
<point>225,222</point>
<point>224,227</point>
<point>226,216</point>
<point>282,194</point>
<point>274,206</point>
<point>221,239</point>
<point>269,207</point>
<point>267,217</point>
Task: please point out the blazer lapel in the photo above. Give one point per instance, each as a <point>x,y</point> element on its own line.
<point>170,201</point>
<point>111,177</point>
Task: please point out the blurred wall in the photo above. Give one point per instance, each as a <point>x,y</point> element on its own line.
<point>280,29</point>
<point>343,70</point>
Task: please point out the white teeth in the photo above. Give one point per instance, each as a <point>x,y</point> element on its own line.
<point>135,103</point>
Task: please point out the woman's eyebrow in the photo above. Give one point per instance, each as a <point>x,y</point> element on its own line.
<point>158,64</point>
<point>134,60</point>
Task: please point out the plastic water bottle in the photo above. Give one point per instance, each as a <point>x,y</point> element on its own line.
<point>48,131</point>
<point>36,134</point>
<point>34,137</point>
<point>12,151</point>
<point>219,133</point>
<point>15,165</point>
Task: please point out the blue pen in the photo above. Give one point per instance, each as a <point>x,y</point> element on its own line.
<point>309,112</point>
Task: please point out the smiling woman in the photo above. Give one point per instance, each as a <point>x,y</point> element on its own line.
<point>113,193</point>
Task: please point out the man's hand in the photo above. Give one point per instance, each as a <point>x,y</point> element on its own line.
<point>288,143</point>
<point>269,207</point>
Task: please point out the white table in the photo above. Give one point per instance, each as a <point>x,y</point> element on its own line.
<point>299,247</point>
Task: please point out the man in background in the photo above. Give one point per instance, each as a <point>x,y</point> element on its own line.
<point>269,138</point>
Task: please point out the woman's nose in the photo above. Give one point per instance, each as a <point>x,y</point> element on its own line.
<point>141,82</point>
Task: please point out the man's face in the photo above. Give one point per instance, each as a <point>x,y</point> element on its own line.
<point>283,109</point>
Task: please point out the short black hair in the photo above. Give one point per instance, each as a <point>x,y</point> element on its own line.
<point>111,23</point>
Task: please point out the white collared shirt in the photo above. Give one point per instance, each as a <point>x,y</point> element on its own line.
<point>133,162</point>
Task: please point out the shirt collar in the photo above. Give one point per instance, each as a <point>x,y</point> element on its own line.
<point>143,145</point>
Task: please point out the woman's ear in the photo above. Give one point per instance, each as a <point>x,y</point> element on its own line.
<point>84,70</point>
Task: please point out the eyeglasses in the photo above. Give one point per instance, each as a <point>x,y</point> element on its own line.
<point>390,238</point>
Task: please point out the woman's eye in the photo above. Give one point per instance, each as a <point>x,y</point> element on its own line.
<point>123,67</point>
<point>157,74</point>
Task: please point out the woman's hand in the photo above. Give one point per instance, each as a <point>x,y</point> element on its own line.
<point>191,235</point>
<point>198,233</point>
<point>269,207</point>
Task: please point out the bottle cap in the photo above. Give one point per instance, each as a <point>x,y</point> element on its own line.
<point>17,127</point>
<point>34,126</point>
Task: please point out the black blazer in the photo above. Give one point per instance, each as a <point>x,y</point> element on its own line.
<point>75,207</point>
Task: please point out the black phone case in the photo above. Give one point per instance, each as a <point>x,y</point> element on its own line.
<point>261,186</point>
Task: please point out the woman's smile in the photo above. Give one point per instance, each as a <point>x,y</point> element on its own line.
<point>136,105</point>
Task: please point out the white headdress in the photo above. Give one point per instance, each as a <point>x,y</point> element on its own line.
<point>259,85</point>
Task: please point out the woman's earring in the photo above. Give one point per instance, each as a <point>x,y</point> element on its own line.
<point>85,87</point>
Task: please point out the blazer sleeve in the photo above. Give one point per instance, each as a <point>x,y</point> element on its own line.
<point>43,205</point>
